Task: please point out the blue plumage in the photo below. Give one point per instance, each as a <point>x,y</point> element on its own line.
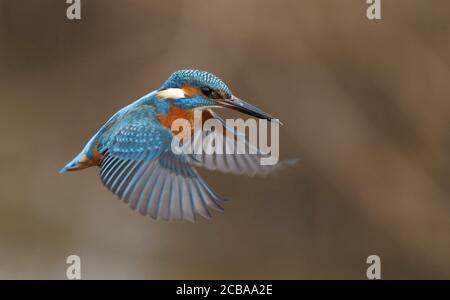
<point>195,78</point>
<point>193,102</point>
<point>133,150</point>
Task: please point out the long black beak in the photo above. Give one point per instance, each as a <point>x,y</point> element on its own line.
<point>246,108</point>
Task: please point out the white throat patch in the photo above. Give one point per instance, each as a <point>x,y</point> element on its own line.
<point>172,93</point>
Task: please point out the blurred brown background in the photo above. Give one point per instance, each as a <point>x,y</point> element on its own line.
<point>365,105</point>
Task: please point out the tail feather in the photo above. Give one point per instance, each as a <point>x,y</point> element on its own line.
<point>88,157</point>
<point>81,161</point>
<point>75,164</point>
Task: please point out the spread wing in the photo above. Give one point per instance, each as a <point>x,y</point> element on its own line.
<point>140,167</point>
<point>229,160</point>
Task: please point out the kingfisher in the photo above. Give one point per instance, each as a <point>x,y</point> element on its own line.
<point>137,162</point>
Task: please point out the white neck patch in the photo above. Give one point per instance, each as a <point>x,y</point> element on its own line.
<point>172,93</point>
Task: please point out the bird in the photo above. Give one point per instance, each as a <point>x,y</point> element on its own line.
<point>136,160</point>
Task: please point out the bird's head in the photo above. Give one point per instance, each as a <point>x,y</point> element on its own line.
<point>194,89</point>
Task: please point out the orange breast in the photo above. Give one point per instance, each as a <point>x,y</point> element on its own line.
<point>175,113</point>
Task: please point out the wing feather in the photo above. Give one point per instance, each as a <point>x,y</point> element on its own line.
<point>228,160</point>
<point>140,168</point>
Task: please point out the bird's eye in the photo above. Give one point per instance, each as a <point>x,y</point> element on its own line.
<point>207,91</point>
<point>210,93</point>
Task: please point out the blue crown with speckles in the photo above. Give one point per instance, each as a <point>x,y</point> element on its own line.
<point>195,78</point>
